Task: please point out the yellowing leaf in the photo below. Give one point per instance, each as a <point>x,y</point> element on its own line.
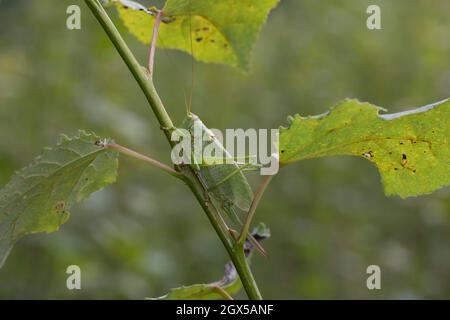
<point>222,31</point>
<point>38,197</point>
<point>410,149</point>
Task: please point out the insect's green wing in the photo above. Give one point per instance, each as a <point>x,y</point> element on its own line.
<point>235,191</point>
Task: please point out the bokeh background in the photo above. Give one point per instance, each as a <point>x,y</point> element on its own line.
<point>145,234</point>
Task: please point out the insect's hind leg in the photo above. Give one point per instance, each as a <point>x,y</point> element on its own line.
<point>234,216</point>
<point>252,240</point>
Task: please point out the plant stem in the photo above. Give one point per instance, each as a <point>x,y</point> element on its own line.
<point>241,264</point>
<point>139,73</point>
<point>236,252</point>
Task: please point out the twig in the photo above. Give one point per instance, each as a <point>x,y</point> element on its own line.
<point>133,65</point>
<point>137,155</point>
<point>151,58</point>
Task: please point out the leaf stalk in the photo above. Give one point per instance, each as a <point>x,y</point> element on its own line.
<point>137,155</point>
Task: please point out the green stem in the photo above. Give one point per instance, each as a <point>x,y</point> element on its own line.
<point>139,72</point>
<point>240,262</point>
<point>236,253</point>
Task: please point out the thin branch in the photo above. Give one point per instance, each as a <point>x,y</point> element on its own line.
<point>254,205</point>
<point>137,155</point>
<point>138,72</point>
<point>151,58</point>
<point>241,264</point>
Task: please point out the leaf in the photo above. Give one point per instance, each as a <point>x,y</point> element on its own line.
<point>410,149</point>
<point>38,197</point>
<point>230,283</point>
<point>222,31</point>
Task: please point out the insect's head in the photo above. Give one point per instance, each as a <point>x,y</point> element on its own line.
<point>192,116</point>
<point>189,121</point>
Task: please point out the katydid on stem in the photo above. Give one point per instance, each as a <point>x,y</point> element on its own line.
<point>224,183</point>
<point>233,192</point>
<point>222,177</point>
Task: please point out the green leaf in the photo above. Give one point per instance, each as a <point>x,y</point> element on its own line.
<point>230,282</point>
<point>38,197</point>
<point>410,149</point>
<point>222,31</point>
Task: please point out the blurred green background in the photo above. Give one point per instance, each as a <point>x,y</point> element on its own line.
<point>145,234</point>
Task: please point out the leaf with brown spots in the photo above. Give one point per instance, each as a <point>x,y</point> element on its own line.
<point>410,149</point>
<point>222,31</point>
<point>38,197</point>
